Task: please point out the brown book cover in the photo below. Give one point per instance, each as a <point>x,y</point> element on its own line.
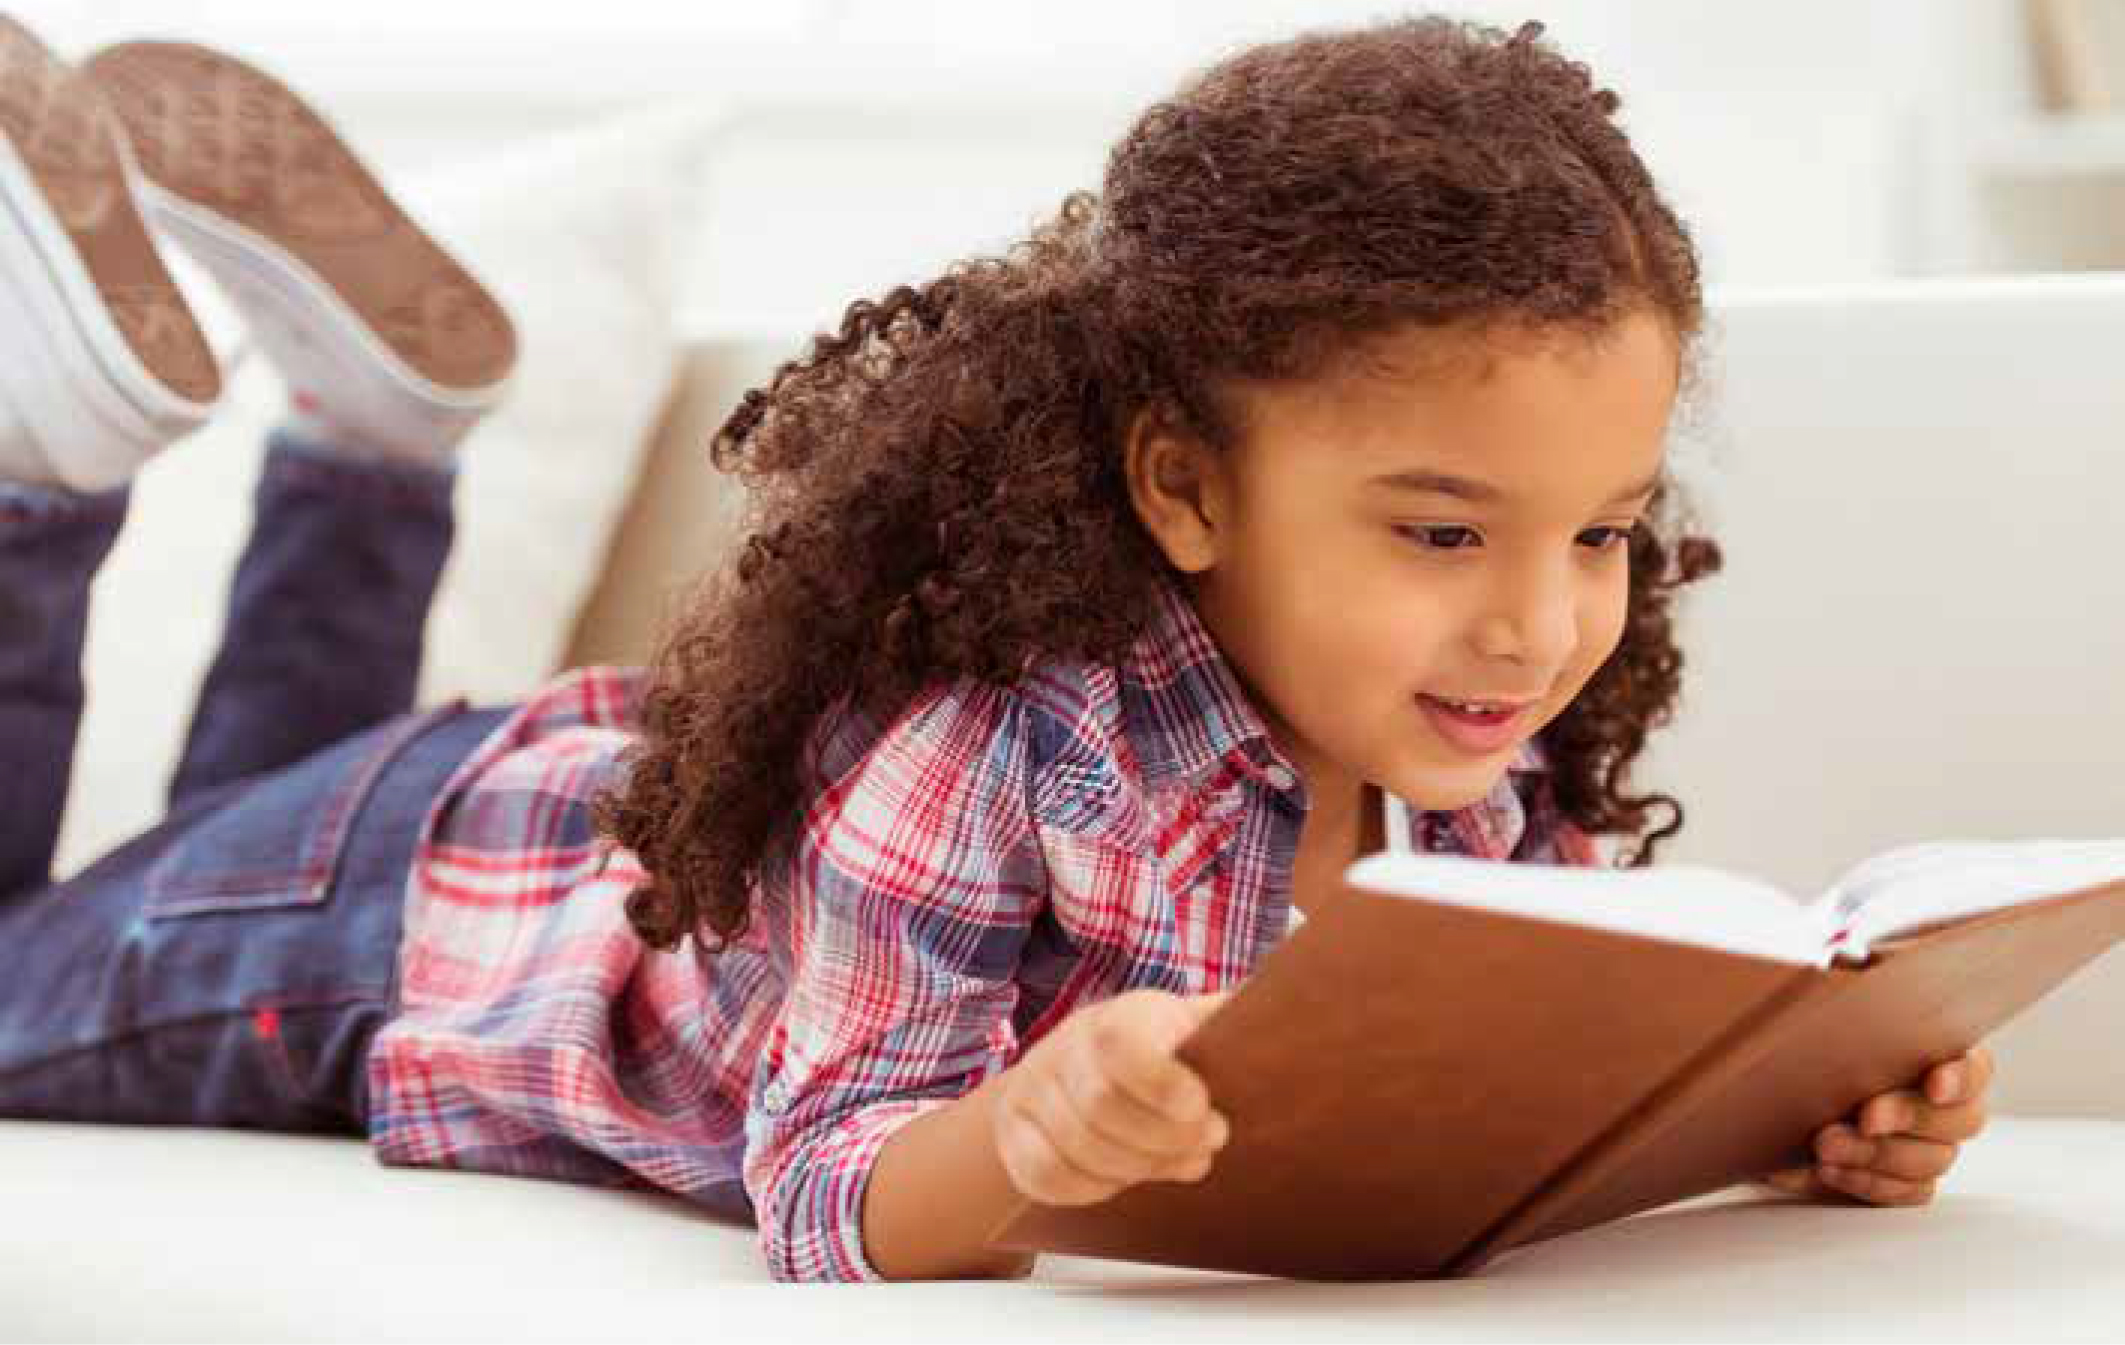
<point>1415,1087</point>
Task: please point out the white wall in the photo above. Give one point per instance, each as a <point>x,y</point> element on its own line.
<point>876,141</point>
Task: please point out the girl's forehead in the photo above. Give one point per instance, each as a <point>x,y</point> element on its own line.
<point>1520,411</point>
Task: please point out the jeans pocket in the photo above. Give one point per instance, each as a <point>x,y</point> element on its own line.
<point>277,840</point>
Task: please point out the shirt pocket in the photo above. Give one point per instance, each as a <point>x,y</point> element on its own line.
<point>277,839</point>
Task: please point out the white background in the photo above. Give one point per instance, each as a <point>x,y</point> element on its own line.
<point>873,142</point>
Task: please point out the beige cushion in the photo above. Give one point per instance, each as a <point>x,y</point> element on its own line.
<point>682,516</point>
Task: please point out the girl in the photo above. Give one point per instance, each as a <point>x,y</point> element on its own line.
<point>1300,492</point>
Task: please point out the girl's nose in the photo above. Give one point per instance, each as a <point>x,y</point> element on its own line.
<point>1533,620</point>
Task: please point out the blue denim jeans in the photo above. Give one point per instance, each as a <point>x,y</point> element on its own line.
<point>229,965</point>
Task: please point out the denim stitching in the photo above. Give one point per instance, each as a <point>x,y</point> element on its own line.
<point>127,1036</point>
<point>323,845</point>
<point>280,1061</point>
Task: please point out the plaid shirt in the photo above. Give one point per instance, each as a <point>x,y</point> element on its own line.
<point>966,875</point>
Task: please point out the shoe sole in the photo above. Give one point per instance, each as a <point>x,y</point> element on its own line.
<point>75,251</point>
<point>250,172</point>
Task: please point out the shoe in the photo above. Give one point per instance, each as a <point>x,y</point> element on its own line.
<point>382,336</point>
<point>102,363</point>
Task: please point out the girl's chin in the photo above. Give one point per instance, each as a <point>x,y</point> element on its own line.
<point>1444,789</point>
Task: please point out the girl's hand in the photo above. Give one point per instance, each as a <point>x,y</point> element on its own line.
<point>1101,1102</point>
<point>1903,1140</point>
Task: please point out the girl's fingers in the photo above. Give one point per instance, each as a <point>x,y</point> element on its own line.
<point>1961,1079</point>
<point>1905,1112</point>
<point>1982,1066</point>
<point>1795,1180</point>
<point>1804,1182</point>
<point>1948,1103</point>
<point>1911,1157</point>
<point>1085,1147</point>
<point>1117,1120</point>
<point>1876,1187</point>
<point>1901,1142</point>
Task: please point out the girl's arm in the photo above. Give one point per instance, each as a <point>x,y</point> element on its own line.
<point>913,885</point>
<point>939,1192</point>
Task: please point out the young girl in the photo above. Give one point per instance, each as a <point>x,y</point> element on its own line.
<point>1302,491</point>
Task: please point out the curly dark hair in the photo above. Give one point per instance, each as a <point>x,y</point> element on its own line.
<point>937,489</point>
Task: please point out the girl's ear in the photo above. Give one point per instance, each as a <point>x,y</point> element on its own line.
<point>1179,489</point>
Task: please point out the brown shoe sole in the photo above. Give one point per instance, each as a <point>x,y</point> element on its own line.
<point>68,139</point>
<point>232,140</point>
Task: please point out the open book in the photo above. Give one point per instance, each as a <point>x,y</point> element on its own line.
<point>1898,892</point>
<point>1456,1057</point>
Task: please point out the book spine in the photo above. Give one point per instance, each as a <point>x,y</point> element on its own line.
<point>1703,1074</point>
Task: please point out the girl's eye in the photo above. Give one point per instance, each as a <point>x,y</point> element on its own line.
<point>1618,537</point>
<point>1615,536</point>
<point>1434,533</point>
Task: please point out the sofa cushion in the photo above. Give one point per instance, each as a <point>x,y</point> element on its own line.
<point>255,1236</point>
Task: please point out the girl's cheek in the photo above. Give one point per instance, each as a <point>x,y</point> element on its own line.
<point>1607,632</point>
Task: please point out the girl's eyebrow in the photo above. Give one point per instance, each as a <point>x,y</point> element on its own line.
<point>1461,487</point>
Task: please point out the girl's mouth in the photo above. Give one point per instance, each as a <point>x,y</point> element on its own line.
<point>1475,733</point>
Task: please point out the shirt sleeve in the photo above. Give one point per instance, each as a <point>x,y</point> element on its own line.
<point>902,912</point>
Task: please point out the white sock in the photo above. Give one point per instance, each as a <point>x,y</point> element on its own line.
<point>21,463</point>
<point>313,422</point>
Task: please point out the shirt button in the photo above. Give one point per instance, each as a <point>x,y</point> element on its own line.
<point>774,1096</point>
<point>1279,777</point>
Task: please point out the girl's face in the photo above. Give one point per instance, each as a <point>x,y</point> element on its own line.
<point>1340,595</point>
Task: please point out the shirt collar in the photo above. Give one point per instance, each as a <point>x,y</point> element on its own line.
<point>1188,714</point>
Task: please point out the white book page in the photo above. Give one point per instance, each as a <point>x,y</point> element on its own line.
<point>1894,892</point>
<point>1682,903</point>
<point>1913,886</point>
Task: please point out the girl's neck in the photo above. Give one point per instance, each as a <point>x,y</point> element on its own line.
<point>1328,845</point>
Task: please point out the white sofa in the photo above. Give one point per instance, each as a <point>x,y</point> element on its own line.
<point>1916,636</point>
